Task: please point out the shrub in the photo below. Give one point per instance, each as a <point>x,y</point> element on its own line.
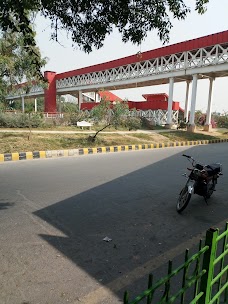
<point>222,121</point>
<point>20,120</point>
<point>36,120</point>
<point>74,117</point>
<point>131,123</point>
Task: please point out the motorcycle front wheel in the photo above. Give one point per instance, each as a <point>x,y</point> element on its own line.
<point>211,188</point>
<point>183,199</point>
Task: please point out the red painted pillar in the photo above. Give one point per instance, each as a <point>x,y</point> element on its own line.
<point>50,93</point>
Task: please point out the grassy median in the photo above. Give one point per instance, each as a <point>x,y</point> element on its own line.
<point>21,142</point>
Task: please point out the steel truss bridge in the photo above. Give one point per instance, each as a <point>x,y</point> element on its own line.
<point>189,61</point>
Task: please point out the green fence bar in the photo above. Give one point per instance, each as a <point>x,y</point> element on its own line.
<point>221,258</point>
<point>166,282</point>
<point>185,273</point>
<point>202,279</point>
<point>208,260</point>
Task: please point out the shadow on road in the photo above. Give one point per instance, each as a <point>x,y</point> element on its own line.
<point>137,211</point>
<point>5,205</point>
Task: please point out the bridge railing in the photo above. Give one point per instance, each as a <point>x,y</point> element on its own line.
<point>182,61</point>
<point>208,281</point>
<point>35,90</point>
<point>188,60</point>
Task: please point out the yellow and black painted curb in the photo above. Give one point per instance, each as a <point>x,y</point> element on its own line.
<point>83,151</point>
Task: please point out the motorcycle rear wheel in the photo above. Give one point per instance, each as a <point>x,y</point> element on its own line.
<point>211,188</point>
<point>183,199</point>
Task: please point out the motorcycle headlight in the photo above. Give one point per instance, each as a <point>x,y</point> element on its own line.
<point>196,173</point>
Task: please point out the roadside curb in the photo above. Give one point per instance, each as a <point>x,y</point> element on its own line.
<point>84,151</point>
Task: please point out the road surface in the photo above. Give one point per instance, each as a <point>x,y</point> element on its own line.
<point>54,214</point>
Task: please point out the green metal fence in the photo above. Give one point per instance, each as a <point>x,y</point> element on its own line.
<point>204,276</point>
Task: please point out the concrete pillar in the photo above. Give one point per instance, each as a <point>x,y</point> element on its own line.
<point>35,105</point>
<point>23,104</point>
<point>207,126</point>
<point>59,98</point>
<point>191,126</point>
<point>50,93</point>
<point>79,99</point>
<point>186,101</point>
<point>170,103</point>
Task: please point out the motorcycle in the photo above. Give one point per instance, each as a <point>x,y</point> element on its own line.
<point>201,180</point>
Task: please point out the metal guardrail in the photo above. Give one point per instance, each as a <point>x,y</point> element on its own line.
<point>208,281</point>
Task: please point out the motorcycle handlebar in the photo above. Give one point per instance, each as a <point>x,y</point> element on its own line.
<point>186,156</point>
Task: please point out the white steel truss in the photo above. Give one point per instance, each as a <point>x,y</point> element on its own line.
<point>213,59</point>
<point>190,60</point>
<point>23,91</point>
<point>159,117</point>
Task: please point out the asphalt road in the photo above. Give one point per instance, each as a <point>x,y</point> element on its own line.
<point>54,214</point>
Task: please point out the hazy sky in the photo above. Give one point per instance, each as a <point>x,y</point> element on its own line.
<point>63,57</point>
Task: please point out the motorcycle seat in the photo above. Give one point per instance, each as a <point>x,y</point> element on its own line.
<point>213,169</point>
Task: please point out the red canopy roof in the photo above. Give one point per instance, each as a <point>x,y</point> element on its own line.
<point>109,96</point>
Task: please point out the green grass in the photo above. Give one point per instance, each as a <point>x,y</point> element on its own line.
<point>143,136</point>
<point>158,128</point>
<point>187,136</point>
<point>223,131</point>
